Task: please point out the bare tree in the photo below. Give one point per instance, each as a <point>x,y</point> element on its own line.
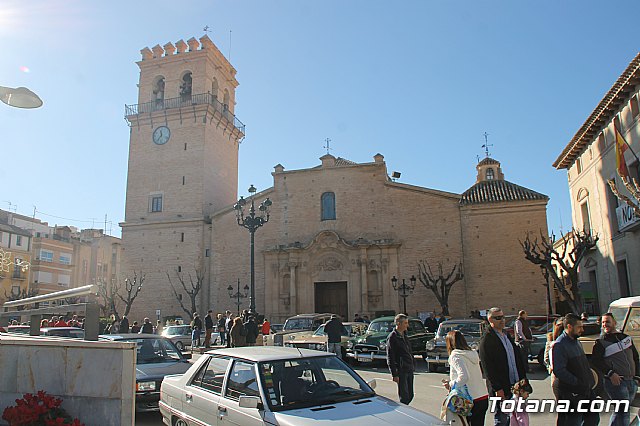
<point>634,190</point>
<point>572,248</point>
<point>132,288</point>
<point>22,294</point>
<point>192,288</point>
<point>108,296</point>
<point>440,283</point>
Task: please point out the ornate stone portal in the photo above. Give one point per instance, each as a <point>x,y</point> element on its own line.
<point>299,275</point>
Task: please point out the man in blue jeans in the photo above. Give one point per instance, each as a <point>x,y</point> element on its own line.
<point>616,357</point>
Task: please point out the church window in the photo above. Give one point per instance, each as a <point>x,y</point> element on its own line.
<point>328,201</point>
<point>179,268</point>
<point>182,237</point>
<point>156,203</point>
<point>185,86</point>
<point>489,174</point>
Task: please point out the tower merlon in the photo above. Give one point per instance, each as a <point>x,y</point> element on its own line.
<point>193,44</point>
<point>169,48</point>
<point>158,51</point>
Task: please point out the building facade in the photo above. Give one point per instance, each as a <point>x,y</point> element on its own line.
<point>15,251</point>
<point>338,232</point>
<point>609,271</point>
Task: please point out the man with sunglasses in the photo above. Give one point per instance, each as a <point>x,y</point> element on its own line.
<point>501,362</point>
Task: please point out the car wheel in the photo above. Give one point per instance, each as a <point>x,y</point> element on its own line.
<point>432,367</point>
<point>180,345</point>
<point>180,422</point>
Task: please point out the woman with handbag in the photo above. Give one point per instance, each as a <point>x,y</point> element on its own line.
<point>465,375</point>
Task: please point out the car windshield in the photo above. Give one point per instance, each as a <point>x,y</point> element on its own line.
<point>309,382</point>
<point>173,331</point>
<point>381,326</point>
<point>468,329</point>
<point>298,324</point>
<point>151,351</point>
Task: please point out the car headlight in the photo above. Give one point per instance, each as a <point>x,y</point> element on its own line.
<point>382,345</point>
<point>292,337</point>
<point>431,345</point>
<point>349,345</point>
<point>145,386</point>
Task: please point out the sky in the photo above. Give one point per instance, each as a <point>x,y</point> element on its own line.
<point>418,81</point>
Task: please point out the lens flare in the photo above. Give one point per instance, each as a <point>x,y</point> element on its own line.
<point>24,69</point>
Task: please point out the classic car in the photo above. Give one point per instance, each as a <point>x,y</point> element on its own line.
<point>295,327</point>
<point>318,340</point>
<point>278,386</point>
<point>626,312</point>
<point>156,357</point>
<point>436,348</point>
<point>373,344</point>
<point>71,332</point>
<point>181,335</point>
<point>535,322</point>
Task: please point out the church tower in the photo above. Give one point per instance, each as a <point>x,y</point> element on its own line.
<point>183,166</point>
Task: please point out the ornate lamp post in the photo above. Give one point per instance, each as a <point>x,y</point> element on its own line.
<point>252,222</point>
<point>237,295</point>
<point>404,289</point>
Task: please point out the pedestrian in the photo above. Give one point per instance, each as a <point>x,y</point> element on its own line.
<point>464,370</point>
<point>124,324</point>
<point>266,327</point>
<point>74,322</point>
<point>228,324</point>
<point>147,327</point>
<point>616,358</point>
<point>62,323</point>
<point>158,328</point>
<point>430,323</point>
<point>245,315</point>
<point>251,331</point>
<point>366,319</point>
<point>558,328</point>
<point>114,328</point>
<point>357,318</point>
<point>333,329</point>
<point>523,338</point>
<point>584,317</point>
<point>44,323</point>
<point>208,328</point>
<point>400,358</point>
<point>196,328</point>
<point>521,392</point>
<point>574,379</point>
<point>221,329</point>
<point>500,362</point>
<point>135,328</point>
<point>238,333</point>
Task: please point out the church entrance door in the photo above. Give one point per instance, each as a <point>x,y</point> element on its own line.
<point>331,297</point>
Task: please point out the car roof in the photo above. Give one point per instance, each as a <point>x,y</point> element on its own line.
<point>60,328</point>
<point>465,320</point>
<point>308,316</point>
<point>122,336</point>
<point>626,302</point>
<point>392,319</point>
<point>268,353</point>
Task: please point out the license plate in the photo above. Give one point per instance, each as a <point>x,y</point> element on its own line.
<point>363,358</point>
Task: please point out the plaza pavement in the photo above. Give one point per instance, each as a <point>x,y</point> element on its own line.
<point>429,392</point>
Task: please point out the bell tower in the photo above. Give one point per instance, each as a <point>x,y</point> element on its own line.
<point>183,166</point>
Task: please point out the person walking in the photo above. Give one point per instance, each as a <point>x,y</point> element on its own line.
<point>616,358</point>
<point>135,328</point>
<point>196,328</point>
<point>124,324</point>
<point>221,329</point>
<point>400,358</point>
<point>574,379</point>
<point>500,362</point>
<point>431,323</point>
<point>147,327</point>
<point>523,338</point>
<point>464,370</point>
<point>333,329</point>
<point>228,324</point>
<point>208,328</point>
<point>251,331</point>
<point>265,327</point>
<point>238,333</point>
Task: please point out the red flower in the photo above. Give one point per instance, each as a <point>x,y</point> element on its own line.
<point>39,409</point>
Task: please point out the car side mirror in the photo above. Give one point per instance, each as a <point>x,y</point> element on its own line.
<point>372,383</point>
<point>249,402</point>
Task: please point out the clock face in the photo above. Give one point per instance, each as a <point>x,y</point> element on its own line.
<point>161,135</point>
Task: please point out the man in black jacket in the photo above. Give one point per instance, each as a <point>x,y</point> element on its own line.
<point>573,377</point>
<point>400,358</point>
<point>333,329</point>
<point>208,328</point>
<point>616,357</point>
<point>501,362</point>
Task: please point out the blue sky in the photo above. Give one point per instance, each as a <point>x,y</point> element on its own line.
<point>418,81</point>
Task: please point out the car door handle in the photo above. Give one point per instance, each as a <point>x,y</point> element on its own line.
<point>188,397</point>
<point>222,410</point>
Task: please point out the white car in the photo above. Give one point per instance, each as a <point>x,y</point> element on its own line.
<point>272,385</point>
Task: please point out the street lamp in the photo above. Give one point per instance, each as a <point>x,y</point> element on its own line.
<point>237,294</point>
<point>404,289</point>
<point>252,222</point>
<point>20,97</point>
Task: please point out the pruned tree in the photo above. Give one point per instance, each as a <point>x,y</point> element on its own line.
<point>192,288</point>
<point>440,283</point>
<point>132,288</point>
<point>108,297</point>
<point>569,253</point>
<point>634,190</point>
<point>22,294</point>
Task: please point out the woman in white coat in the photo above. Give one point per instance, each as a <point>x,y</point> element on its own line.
<point>465,369</point>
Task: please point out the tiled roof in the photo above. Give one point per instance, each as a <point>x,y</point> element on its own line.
<point>5,227</point>
<point>487,161</point>
<point>344,162</point>
<point>498,191</point>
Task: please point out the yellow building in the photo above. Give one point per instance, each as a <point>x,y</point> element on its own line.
<point>15,257</point>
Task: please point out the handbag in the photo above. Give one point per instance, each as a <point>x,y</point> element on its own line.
<point>459,401</point>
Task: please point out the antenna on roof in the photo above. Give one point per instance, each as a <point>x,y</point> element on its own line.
<point>486,144</point>
<point>229,46</point>
<point>327,145</point>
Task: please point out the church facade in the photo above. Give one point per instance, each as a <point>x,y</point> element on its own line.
<point>338,232</point>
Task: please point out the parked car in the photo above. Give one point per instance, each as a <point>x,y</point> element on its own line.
<point>275,328</point>
<point>278,386</point>
<point>373,344</point>
<point>71,332</point>
<point>626,311</point>
<point>156,357</point>
<point>181,335</point>
<point>18,329</point>
<point>296,326</point>
<point>535,321</point>
<point>318,340</point>
<point>436,349</point>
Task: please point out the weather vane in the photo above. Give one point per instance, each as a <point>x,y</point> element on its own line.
<point>206,29</point>
<point>486,144</point>
<point>327,146</point>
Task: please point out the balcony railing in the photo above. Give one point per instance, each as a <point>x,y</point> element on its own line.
<point>184,101</point>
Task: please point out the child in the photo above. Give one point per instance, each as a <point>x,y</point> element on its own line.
<point>520,390</point>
